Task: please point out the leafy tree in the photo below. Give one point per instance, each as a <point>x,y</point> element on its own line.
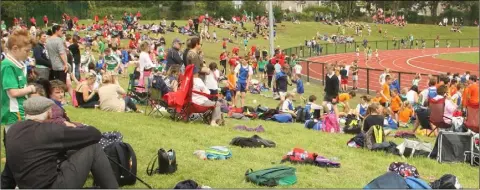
<point>277,13</point>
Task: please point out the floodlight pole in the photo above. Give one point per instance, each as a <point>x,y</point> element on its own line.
<point>270,26</point>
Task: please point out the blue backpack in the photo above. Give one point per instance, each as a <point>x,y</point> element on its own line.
<point>416,183</point>
<point>310,124</point>
<point>432,93</point>
<point>282,118</point>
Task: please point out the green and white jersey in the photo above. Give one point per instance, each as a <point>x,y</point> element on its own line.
<point>13,77</point>
<point>112,61</point>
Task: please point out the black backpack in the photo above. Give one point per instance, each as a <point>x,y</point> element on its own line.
<point>352,125</point>
<point>123,161</point>
<point>268,114</point>
<point>301,115</point>
<point>167,163</point>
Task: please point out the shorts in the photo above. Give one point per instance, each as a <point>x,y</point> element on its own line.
<point>395,112</point>
<point>355,77</point>
<point>242,87</point>
<point>358,54</point>
<point>344,80</point>
<point>384,104</point>
<point>261,70</point>
<point>282,94</point>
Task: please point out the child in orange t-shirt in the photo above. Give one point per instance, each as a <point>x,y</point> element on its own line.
<point>343,100</point>
<point>395,104</point>
<point>385,92</point>
<point>232,83</point>
<point>377,98</point>
<point>405,113</point>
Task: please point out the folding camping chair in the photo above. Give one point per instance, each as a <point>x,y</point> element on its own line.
<point>155,100</point>
<point>181,100</point>
<point>472,122</point>
<point>135,91</point>
<point>437,108</point>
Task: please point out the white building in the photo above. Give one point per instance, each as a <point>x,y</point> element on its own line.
<point>237,4</point>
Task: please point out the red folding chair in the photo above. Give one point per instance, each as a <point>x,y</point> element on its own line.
<point>181,101</point>
<point>472,122</point>
<point>437,108</point>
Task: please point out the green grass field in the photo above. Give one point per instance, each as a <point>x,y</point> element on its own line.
<point>461,57</point>
<point>147,134</point>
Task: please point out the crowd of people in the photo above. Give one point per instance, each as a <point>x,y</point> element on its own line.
<point>65,64</point>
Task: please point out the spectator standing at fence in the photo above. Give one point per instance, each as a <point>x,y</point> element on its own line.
<point>354,69</point>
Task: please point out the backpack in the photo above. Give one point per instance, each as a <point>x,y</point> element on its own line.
<point>268,114</point>
<point>218,153</point>
<point>311,124</point>
<point>110,137</point>
<point>330,124</point>
<point>123,161</point>
<point>252,142</point>
<point>281,175</point>
<point>447,181</point>
<point>357,141</point>
<point>282,118</point>
<point>301,116</point>
<point>389,180</point>
<point>352,125</point>
<point>167,162</point>
<point>416,183</point>
<point>187,184</point>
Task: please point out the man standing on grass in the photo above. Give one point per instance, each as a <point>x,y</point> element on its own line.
<point>332,85</point>
<point>57,54</point>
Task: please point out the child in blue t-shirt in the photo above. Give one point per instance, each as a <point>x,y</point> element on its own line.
<point>243,72</point>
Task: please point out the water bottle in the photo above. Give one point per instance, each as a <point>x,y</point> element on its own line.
<point>170,155</point>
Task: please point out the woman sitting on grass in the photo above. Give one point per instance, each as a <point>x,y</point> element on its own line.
<point>111,96</point>
<point>86,97</point>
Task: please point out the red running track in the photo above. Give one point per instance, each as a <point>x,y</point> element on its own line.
<point>408,60</point>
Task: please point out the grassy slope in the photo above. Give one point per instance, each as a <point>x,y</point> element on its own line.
<point>147,134</point>
<point>461,57</point>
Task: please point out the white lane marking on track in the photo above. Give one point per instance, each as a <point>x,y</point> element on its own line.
<point>408,60</point>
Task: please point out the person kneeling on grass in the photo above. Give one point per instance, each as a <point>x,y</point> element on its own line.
<point>343,100</point>
<point>37,158</point>
<point>110,96</point>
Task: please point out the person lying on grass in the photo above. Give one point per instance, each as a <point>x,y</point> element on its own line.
<point>43,162</point>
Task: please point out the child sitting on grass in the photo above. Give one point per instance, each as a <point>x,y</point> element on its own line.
<point>361,110</point>
<point>405,114</point>
<point>287,105</point>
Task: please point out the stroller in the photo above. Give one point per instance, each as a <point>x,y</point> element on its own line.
<point>180,102</point>
<point>140,97</point>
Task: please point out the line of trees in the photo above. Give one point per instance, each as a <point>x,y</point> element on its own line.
<point>154,10</point>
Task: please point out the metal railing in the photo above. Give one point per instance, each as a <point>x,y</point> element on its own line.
<point>367,75</point>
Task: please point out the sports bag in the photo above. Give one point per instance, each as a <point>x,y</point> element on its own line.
<point>311,124</point>
<point>330,124</point>
<point>389,180</point>
<point>218,153</point>
<point>281,175</point>
<point>282,118</point>
<point>301,116</point>
<point>417,183</point>
<point>123,161</point>
<point>167,162</point>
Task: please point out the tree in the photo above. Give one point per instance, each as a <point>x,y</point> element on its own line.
<point>255,7</point>
<point>277,13</point>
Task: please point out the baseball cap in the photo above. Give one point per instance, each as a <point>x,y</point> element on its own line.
<point>176,40</point>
